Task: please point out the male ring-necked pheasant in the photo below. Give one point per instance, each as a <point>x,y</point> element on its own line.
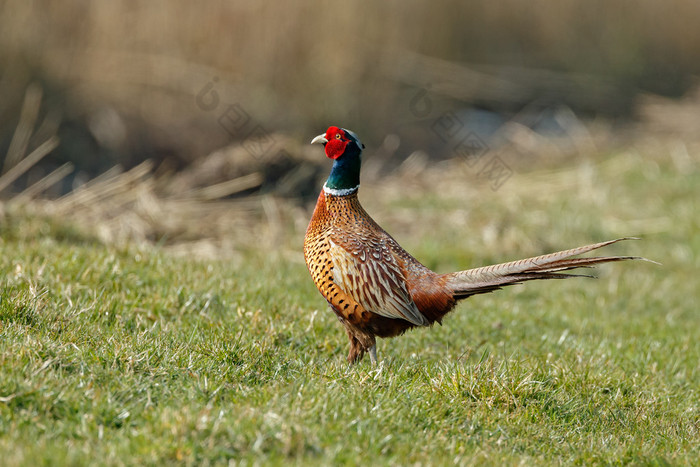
<point>374,286</point>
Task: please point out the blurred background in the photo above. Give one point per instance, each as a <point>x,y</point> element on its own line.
<point>149,120</point>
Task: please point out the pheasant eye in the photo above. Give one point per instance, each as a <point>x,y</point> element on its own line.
<point>337,136</point>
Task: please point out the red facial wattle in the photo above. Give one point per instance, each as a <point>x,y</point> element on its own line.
<point>337,142</point>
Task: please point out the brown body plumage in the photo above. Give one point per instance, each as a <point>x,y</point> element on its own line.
<point>375,287</point>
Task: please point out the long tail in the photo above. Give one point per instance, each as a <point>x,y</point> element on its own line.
<point>489,278</point>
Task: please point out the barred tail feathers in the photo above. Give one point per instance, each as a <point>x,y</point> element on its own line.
<point>489,278</point>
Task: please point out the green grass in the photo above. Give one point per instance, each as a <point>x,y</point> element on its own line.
<point>131,356</point>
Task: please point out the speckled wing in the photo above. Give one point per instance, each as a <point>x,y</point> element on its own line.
<point>369,272</point>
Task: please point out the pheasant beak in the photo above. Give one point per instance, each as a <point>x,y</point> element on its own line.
<point>319,139</point>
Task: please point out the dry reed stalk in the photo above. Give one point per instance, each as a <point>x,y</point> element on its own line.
<point>108,187</point>
<point>25,164</point>
<point>25,127</point>
<point>227,188</point>
<point>45,183</point>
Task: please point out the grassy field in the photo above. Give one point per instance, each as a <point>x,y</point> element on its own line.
<point>131,356</point>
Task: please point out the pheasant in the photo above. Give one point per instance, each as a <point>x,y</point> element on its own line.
<point>373,285</point>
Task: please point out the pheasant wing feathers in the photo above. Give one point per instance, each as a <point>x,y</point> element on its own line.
<point>369,272</point>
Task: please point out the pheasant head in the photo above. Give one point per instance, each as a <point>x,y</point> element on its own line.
<point>344,147</point>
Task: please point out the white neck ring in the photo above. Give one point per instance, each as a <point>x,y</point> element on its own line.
<point>341,191</point>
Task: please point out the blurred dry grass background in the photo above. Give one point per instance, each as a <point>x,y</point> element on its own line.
<point>110,90</point>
